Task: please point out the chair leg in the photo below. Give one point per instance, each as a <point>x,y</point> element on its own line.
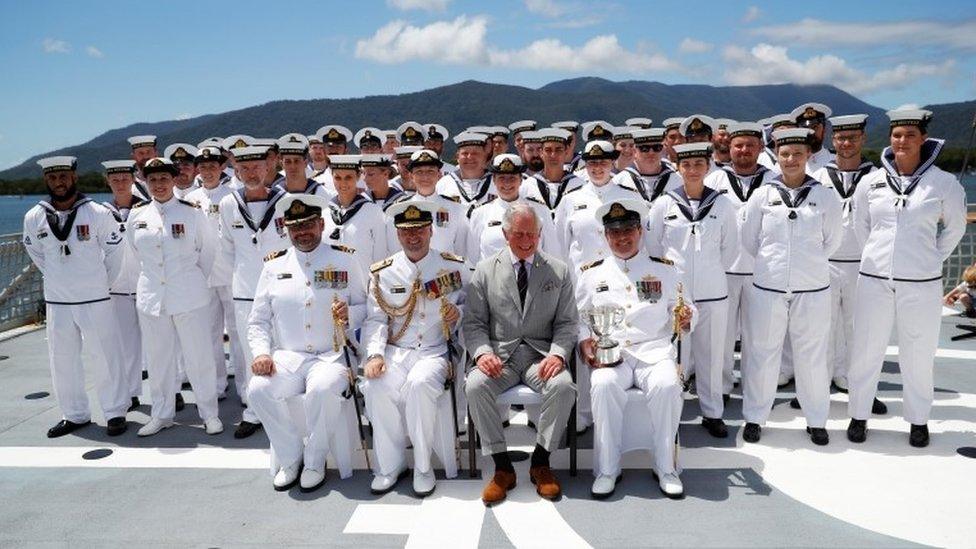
<point>472,448</point>
<point>572,442</point>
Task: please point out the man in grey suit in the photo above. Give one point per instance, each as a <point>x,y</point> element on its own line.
<point>520,327</point>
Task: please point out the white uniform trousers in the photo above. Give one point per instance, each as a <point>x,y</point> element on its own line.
<point>166,337</point>
<point>401,403</point>
<point>914,308</point>
<point>662,395</point>
<point>223,318</point>
<point>843,283</point>
<point>323,383</point>
<point>736,328</point>
<point>131,341</point>
<point>702,354</point>
<point>806,318</point>
<point>242,310</point>
<point>786,363</point>
<point>95,325</point>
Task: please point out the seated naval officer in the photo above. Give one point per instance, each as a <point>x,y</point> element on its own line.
<point>647,289</point>
<point>413,303</point>
<point>75,244</point>
<point>308,297</point>
<point>520,326</point>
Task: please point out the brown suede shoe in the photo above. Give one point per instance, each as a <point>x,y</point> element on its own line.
<point>498,487</point>
<point>545,482</point>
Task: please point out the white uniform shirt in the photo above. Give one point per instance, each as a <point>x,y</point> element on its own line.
<point>311,187</point>
<point>293,304</point>
<point>550,193</point>
<point>362,226</point>
<point>208,200</point>
<point>485,235</point>
<point>845,184</point>
<point>738,189</point>
<point>701,239</point>
<point>818,160</point>
<point>467,191</point>
<point>79,266</point>
<point>125,283</point>
<point>900,233</point>
<point>450,227</point>
<point>245,240</point>
<point>652,187</point>
<point>176,250</point>
<point>580,233</point>
<point>791,253</point>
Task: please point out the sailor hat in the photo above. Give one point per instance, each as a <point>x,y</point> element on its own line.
<point>507,164</point>
<point>435,131</point>
<point>465,139</point>
<point>292,143</point>
<point>333,134</point>
<point>697,124</point>
<point>599,150</point>
<point>523,126</point>
<point>810,114</point>
<point>119,166</point>
<point>300,207</point>
<point>910,117</point>
<point>344,161</point>
<point>180,152</point>
<point>368,136</point>
<point>424,157</point>
<point>686,151</point>
<point>639,121</point>
<point>250,152</point>
<point>745,129</point>
<point>160,165</point>
<point>792,136</point>
<point>649,136</point>
<point>412,213</point>
<point>410,133</point>
<point>849,122</point>
<point>622,214</point>
<point>597,130</point>
<point>137,141</point>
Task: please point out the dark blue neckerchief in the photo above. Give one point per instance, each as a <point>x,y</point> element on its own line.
<point>274,195</point>
<point>735,182</point>
<point>485,185</point>
<point>801,194</point>
<point>930,152</point>
<point>705,203</point>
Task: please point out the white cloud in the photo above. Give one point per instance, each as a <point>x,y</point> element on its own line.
<point>690,45</point>
<point>751,14</point>
<point>51,45</point>
<point>463,42</point>
<point>907,107</point>
<point>426,5</point>
<point>816,32</point>
<point>92,51</point>
<point>183,116</point>
<point>767,64</point>
<point>547,8</point>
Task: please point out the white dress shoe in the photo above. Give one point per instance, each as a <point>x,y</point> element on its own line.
<point>603,486</point>
<point>311,479</point>
<point>783,380</point>
<point>213,426</point>
<point>423,483</point>
<point>671,486</point>
<point>384,483</point>
<point>154,426</point>
<point>841,383</point>
<point>286,477</point>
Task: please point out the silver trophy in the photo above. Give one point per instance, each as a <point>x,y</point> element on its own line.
<point>602,321</point>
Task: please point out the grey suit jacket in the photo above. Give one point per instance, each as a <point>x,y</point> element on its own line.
<point>495,322</point>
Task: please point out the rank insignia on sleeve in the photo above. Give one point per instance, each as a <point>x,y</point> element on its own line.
<point>590,265</point>
<point>380,265</point>
<point>275,255</point>
<point>451,257</point>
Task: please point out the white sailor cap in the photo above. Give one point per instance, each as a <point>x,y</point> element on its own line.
<point>810,114</point>
<point>368,136</point>
<point>211,142</point>
<point>119,166</point>
<point>180,152</point>
<point>137,141</point>
<point>298,207</point>
<point>620,214</point>
<point>409,214</point>
<point>499,131</point>
<point>479,129</point>
<point>723,124</point>
<point>910,117</point>
<point>375,160</point>
<point>523,126</point>
<point>780,120</point>
<point>237,141</point>
<point>623,132</point>
<point>531,136</point>
<point>849,122</point>
<point>648,136</point>
<point>571,126</point>
<point>673,123</point>
<point>465,139</point>
<point>250,152</point>
<point>597,130</point>
<point>599,150</point>
<point>209,153</point>
<point>792,136</point>
<point>745,129</point>
<point>685,151</point>
<point>160,165</point>
<point>334,134</point>
<point>639,121</point>
<point>406,151</point>
<point>344,161</point>
<point>292,143</point>
<point>697,124</point>
<point>507,164</point>
<point>424,157</point>
<point>435,131</point>
<point>553,134</point>
<point>313,140</point>
<point>390,134</point>
<point>271,144</point>
<point>410,133</point>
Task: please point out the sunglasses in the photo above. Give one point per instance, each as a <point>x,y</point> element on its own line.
<point>649,148</point>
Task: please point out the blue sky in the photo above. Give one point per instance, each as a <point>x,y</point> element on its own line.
<point>74,69</point>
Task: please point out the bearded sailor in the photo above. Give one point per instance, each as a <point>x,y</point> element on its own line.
<point>813,116</point>
<point>471,183</point>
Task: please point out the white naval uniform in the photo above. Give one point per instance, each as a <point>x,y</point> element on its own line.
<point>647,288</point>
<point>392,196</point>
<point>485,237</point>
<point>898,219</point>
<point>221,302</point>
<point>416,365</point>
<point>844,265</point>
<point>361,226</point>
<point>139,189</point>
<point>469,192</point>
<point>790,293</point>
<point>292,322</point>
<point>79,254</point>
<point>819,160</point>
<point>738,189</point>
<point>249,232</point>
<point>701,237</point>
<point>311,187</point>
<point>123,293</point>
<point>176,250</point>
<point>651,187</point>
<point>450,227</point>
<point>181,193</point>
<point>550,193</point>
<point>324,178</point>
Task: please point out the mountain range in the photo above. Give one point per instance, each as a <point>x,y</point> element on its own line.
<point>471,103</point>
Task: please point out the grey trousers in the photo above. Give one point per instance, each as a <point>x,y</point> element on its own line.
<point>558,395</point>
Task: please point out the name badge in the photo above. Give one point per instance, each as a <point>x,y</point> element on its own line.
<point>332,279</point>
<point>671,217</point>
<point>82,232</point>
<point>41,234</point>
<point>602,287</point>
<point>282,276</point>
<point>237,225</point>
<point>579,207</point>
<point>878,185</point>
<point>141,225</point>
<point>177,230</point>
<point>494,223</point>
<point>776,203</point>
<point>398,290</point>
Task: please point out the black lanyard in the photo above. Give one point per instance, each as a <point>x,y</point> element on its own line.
<point>704,204</point>
<point>274,195</point>
<point>801,196</point>
<point>62,232</point>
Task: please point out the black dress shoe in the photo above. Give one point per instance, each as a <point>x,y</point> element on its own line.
<point>179,402</point>
<point>879,408</point>
<point>715,427</point>
<point>857,430</point>
<point>246,429</point>
<point>135,404</point>
<point>752,432</point>
<point>795,403</point>
<point>919,436</point>
<point>116,426</point>
<point>818,435</point>
<point>65,427</point>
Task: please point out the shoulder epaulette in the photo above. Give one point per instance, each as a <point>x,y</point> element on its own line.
<point>628,187</point>
<point>536,200</point>
<point>451,198</point>
<point>574,189</point>
<point>275,255</point>
<point>341,248</point>
<point>451,257</point>
<point>143,204</point>
<point>663,260</point>
<point>380,265</point>
<point>318,173</point>
<point>188,203</point>
<point>591,264</point>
